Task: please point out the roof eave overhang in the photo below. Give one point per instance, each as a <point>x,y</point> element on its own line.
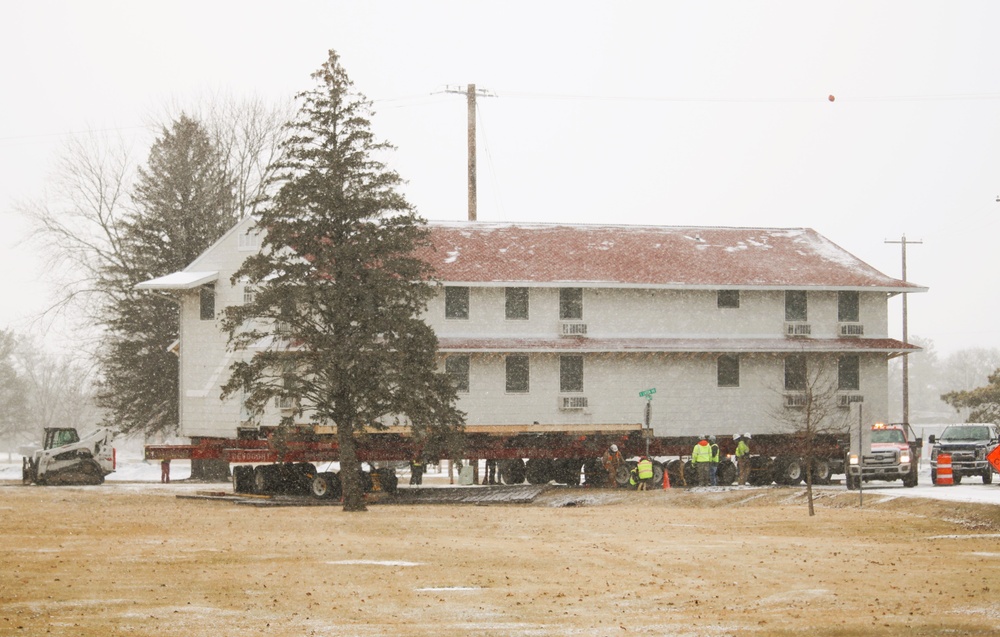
<point>688,286</point>
<point>890,347</point>
<point>179,281</point>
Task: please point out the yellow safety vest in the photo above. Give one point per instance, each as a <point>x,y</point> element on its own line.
<point>645,468</point>
<point>715,452</point>
<point>701,453</point>
<point>742,449</point>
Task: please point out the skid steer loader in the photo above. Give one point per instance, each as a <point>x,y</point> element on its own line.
<point>65,458</point>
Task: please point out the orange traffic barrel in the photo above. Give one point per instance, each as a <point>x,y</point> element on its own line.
<point>944,477</point>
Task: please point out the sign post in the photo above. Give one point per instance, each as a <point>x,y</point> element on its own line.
<point>647,431</point>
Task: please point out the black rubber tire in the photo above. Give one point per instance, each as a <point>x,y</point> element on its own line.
<point>956,478</point>
<point>673,468</point>
<point>264,479</point>
<point>727,473</point>
<point>622,477</point>
<point>988,476</point>
<point>387,479</point>
<point>513,471</point>
<point>852,483</point>
<point>690,476</point>
<point>567,471</point>
<point>761,471</point>
<point>821,473</point>
<point>788,470</point>
<point>539,471</point>
<point>911,479</point>
<point>594,474</point>
<point>320,487</point>
<point>656,482</point>
<point>243,479</point>
<point>933,476</point>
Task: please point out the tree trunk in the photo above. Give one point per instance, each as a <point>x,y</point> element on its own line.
<point>350,469</point>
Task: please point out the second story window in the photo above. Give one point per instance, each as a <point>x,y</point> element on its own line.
<point>456,302</point>
<point>570,373</point>
<point>729,298</point>
<point>517,373</point>
<point>849,373</point>
<point>848,307</point>
<point>571,304</point>
<point>458,368</point>
<point>206,299</point>
<point>728,370</point>
<point>795,372</point>
<point>516,301</point>
<point>795,305</point>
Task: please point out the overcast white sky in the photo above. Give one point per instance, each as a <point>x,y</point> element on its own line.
<point>646,112</point>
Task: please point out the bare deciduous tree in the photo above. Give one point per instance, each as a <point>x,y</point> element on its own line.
<point>810,411</point>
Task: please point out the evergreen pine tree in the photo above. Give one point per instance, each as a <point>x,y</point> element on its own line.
<point>184,202</point>
<point>337,288</point>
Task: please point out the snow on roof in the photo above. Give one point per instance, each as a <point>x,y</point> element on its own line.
<point>179,281</point>
<point>648,256</point>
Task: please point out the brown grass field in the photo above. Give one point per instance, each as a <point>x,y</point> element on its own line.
<point>108,561</point>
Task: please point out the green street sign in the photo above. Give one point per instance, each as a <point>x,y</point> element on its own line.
<point>647,393</point>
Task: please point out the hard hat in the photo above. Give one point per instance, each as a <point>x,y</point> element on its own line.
<point>736,436</point>
<point>703,437</point>
<point>747,435</point>
<point>614,447</point>
<point>712,438</point>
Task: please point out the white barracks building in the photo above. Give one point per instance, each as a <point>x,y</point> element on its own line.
<point>566,324</point>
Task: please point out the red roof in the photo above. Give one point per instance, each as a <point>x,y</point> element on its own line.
<point>687,345</point>
<point>657,256</point>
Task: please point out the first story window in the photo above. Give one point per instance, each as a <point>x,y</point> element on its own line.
<point>207,301</point>
<point>848,307</point>
<point>795,372</point>
<point>571,304</point>
<point>516,302</point>
<point>456,302</point>
<point>517,373</point>
<point>729,298</point>
<point>458,368</point>
<point>570,373</point>
<point>849,373</point>
<point>795,305</point>
<point>728,370</point>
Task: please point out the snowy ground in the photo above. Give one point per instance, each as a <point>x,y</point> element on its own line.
<point>134,472</point>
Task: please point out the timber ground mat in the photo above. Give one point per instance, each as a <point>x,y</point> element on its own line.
<point>138,560</point>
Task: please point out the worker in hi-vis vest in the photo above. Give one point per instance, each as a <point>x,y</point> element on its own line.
<point>701,458</point>
<point>714,464</point>
<point>645,472</point>
<point>743,457</point>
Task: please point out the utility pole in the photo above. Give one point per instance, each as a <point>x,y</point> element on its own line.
<point>470,96</point>
<point>906,357</point>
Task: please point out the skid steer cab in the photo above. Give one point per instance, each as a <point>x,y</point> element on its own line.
<point>65,458</point>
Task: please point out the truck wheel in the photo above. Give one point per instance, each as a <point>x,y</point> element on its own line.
<point>673,469</point>
<point>594,474</point>
<point>933,476</point>
<point>387,479</point>
<point>690,475</point>
<point>726,474</point>
<point>320,487</point>
<point>821,472</point>
<point>988,476</point>
<point>657,480</point>
<point>512,471</point>
<point>910,480</point>
<point>242,479</point>
<point>567,471</point>
<point>852,482</point>
<point>957,478</point>
<point>622,477</point>
<point>788,470</point>
<point>761,471</point>
<point>262,479</point>
<point>539,470</point>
